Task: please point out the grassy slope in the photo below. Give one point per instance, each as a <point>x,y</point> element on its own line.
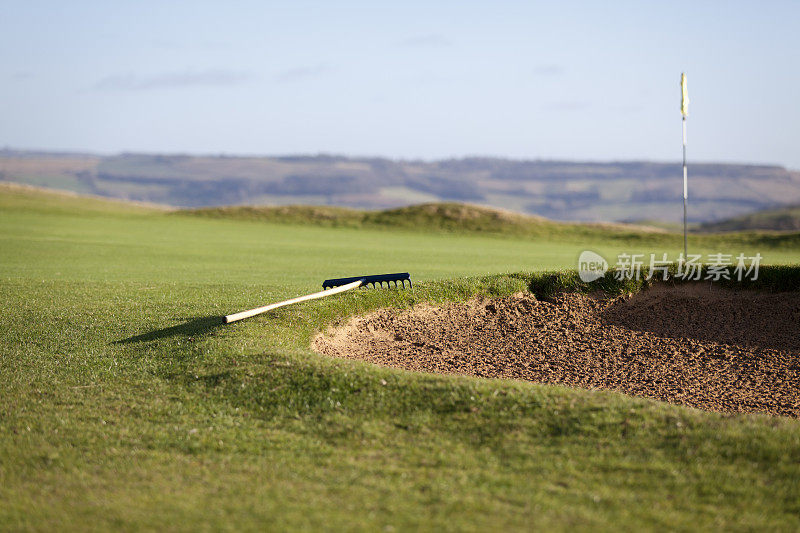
<point>784,219</point>
<point>126,404</point>
<point>456,218</point>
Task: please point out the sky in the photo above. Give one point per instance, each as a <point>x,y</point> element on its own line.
<point>570,80</point>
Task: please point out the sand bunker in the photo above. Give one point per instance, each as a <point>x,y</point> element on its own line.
<point>713,349</point>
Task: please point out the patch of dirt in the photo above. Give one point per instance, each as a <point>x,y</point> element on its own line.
<point>714,349</point>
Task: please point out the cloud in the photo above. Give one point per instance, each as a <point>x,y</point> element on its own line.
<point>169,80</point>
<point>548,70</point>
<point>302,73</point>
<point>430,39</point>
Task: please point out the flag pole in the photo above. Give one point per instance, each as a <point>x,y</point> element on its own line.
<point>684,113</point>
<point>685,191</point>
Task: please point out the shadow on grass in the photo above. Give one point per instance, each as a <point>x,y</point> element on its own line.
<point>195,326</point>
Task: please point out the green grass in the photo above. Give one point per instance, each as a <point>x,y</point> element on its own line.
<point>454,218</point>
<point>126,404</point>
<point>781,219</point>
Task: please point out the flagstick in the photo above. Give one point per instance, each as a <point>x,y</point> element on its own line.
<point>684,112</point>
<point>685,191</point>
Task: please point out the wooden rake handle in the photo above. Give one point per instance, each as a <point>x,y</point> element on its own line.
<point>258,310</point>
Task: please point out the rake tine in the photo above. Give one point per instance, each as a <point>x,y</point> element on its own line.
<point>374,280</point>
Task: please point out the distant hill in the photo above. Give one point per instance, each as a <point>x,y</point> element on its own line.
<point>452,218</point>
<point>560,190</point>
<point>445,217</point>
<point>784,219</point>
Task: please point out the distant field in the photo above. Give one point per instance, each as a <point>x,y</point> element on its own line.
<point>125,404</point>
<point>559,190</point>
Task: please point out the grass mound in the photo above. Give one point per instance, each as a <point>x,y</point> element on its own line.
<point>431,216</point>
<point>444,216</point>
<point>472,219</point>
<point>784,219</point>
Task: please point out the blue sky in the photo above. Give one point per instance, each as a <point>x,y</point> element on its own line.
<point>552,80</point>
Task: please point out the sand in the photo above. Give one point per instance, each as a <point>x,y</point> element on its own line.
<point>713,349</point>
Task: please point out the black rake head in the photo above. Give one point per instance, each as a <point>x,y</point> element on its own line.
<point>380,279</point>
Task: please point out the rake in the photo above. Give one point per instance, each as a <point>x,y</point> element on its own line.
<point>329,288</point>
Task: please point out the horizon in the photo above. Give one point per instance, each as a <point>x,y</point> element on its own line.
<point>11,149</point>
<point>556,189</point>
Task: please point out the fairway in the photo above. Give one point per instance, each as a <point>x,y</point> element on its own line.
<point>180,249</point>
<point>90,240</point>
<point>126,404</point>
